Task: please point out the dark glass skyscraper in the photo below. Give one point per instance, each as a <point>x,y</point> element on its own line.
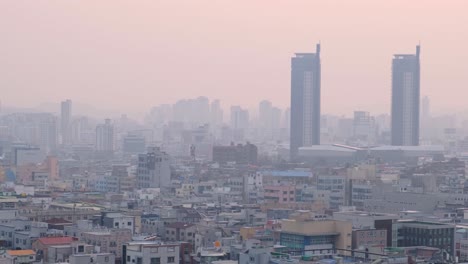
<point>305,101</point>
<point>405,99</point>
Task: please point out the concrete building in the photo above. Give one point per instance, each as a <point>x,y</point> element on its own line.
<point>239,122</point>
<point>65,120</point>
<point>118,221</point>
<point>305,100</point>
<point>416,233</point>
<point>153,169</point>
<point>108,241</point>
<point>134,144</point>
<point>23,256</point>
<point>151,253</point>
<point>99,258</point>
<point>405,99</point>
<point>363,239</point>
<point>181,232</point>
<point>44,244</point>
<point>105,137</point>
<point>240,154</point>
<point>370,221</point>
<point>281,194</point>
<point>317,237</point>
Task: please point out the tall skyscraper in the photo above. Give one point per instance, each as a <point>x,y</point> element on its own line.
<point>305,100</point>
<point>405,99</point>
<point>105,137</point>
<point>65,119</point>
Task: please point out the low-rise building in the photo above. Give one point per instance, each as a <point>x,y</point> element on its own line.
<point>101,258</point>
<point>151,253</point>
<point>108,241</point>
<point>181,232</point>
<point>23,256</point>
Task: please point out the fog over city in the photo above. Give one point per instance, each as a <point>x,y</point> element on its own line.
<point>235,51</point>
<point>233,132</point>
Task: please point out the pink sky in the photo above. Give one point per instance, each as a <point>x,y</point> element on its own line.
<point>131,55</point>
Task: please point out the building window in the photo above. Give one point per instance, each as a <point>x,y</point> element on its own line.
<point>128,258</point>
<point>129,223</point>
<point>155,261</point>
<point>170,259</point>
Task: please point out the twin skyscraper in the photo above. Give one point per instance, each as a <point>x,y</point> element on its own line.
<point>305,100</point>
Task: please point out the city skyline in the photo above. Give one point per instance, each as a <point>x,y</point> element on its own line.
<point>129,60</point>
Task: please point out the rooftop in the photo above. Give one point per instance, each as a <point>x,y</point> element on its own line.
<point>23,252</point>
<point>179,225</point>
<point>56,240</point>
<point>288,173</point>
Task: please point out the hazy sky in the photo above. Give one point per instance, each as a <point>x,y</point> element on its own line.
<point>131,55</point>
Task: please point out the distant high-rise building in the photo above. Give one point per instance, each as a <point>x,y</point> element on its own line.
<point>153,169</point>
<point>425,118</point>
<point>364,128</point>
<point>239,117</point>
<point>216,113</point>
<point>239,122</point>
<point>269,121</point>
<point>426,108</point>
<point>305,100</point>
<point>240,154</point>
<point>65,118</point>
<point>48,134</point>
<point>405,99</point>
<point>105,137</point>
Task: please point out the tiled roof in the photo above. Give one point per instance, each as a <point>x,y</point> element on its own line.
<point>56,240</point>
<point>22,252</point>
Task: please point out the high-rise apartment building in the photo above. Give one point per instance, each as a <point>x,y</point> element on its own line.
<point>405,99</point>
<point>153,169</point>
<point>216,114</point>
<point>65,118</point>
<point>305,100</point>
<point>105,137</point>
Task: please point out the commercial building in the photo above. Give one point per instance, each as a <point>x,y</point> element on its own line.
<point>416,233</point>
<point>315,237</point>
<point>153,169</point>
<point>305,100</point>
<point>370,221</point>
<point>405,99</point>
